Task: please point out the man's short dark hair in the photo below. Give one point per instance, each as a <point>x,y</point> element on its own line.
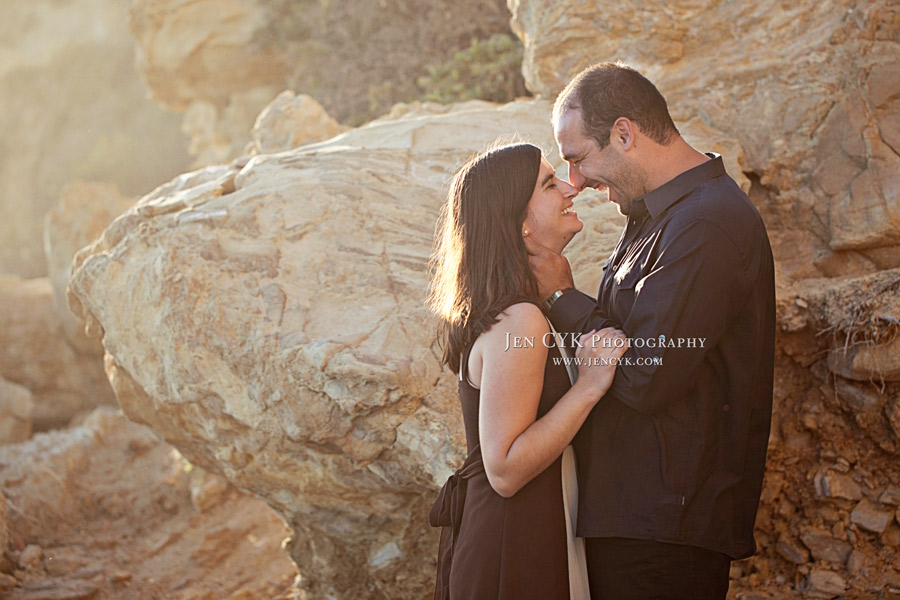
<point>607,91</point>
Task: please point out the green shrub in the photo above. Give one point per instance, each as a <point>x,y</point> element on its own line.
<point>360,57</point>
<point>488,69</point>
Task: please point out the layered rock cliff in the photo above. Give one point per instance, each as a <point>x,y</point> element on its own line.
<point>275,332</point>
<point>811,93</point>
<point>265,315</point>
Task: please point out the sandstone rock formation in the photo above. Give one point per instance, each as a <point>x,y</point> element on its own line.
<point>211,61</point>
<point>220,134</point>
<point>34,354</point>
<point>4,536</point>
<point>60,61</point>
<point>188,50</point>
<point>265,316</point>
<point>267,319</point>
<point>290,121</point>
<point>104,511</point>
<point>284,123</point>
<point>810,92</point>
<point>221,61</point>
<point>83,211</point>
<point>16,406</point>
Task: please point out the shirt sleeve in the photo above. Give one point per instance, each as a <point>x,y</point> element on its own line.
<point>682,306</point>
<point>577,312</point>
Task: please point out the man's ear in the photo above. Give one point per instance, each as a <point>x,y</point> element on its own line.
<point>623,132</point>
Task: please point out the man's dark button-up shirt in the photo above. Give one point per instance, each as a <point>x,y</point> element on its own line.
<point>675,451</point>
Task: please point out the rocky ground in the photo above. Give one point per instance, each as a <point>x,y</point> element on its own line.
<point>107,510</point>
<point>264,315</point>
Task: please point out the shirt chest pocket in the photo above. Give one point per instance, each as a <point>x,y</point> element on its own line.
<point>624,289</point>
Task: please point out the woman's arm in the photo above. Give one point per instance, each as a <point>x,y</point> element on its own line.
<point>515,447</point>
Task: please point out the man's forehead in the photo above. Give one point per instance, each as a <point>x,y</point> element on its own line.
<point>567,129</point>
<point>568,122</point>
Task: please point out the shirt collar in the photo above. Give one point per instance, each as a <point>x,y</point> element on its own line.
<point>658,200</point>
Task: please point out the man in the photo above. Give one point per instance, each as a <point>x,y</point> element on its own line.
<point>671,460</point>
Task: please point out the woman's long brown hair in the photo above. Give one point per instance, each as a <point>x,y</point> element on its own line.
<point>480,265</point>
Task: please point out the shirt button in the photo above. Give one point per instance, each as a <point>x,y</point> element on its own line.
<point>726,408</point>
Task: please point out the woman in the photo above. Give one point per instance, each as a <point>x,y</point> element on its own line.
<point>503,512</point>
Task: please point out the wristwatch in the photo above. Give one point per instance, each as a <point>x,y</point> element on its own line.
<point>549,302</point>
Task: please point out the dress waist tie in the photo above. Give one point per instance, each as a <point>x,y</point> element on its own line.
<point>447,513</point>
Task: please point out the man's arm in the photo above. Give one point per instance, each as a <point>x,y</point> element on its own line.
<point>577,312</point>
<point>553,273</point>
<point>692,292</point>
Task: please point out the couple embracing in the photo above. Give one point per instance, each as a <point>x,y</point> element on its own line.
<point>627,465</point>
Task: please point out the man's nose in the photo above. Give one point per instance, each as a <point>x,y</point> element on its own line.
<point>568,191</point>
<point>576,179</point>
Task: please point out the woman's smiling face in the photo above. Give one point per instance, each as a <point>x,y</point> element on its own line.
<point>550,219</point>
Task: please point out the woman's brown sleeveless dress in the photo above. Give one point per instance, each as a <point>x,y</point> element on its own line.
<point>502,548</point>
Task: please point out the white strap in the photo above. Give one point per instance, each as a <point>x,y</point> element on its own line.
<point>579,588</point>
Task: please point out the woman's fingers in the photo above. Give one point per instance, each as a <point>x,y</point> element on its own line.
<point>605,343</point>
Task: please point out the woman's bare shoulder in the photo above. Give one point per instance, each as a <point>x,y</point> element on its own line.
<point>522,318</point>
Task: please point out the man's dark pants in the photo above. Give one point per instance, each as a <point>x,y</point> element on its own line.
<point>630,569</point>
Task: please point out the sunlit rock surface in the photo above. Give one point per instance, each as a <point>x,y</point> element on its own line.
<point>290,121</point>
<point>34,354</point>
<point>809,96</point>
<point>106,510</point>
<point>219,134</point>
<point>83,211</point>
<point>73,108</point>
<point>811,92</point>
<point>16,406</point>
<point>268,321</point>
<point>209,60</point>
<point>189,50</point>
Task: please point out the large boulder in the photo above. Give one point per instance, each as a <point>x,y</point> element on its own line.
<point>290,121</point>
<point>267,319</point>
<point>83,211</point>
<point>220,134</point>
<point>213,61</point>
<point>16,406</point>
<point>35,354</point>
<point>208,50</point>
<point>284,123</point>
<point>810,91</point>
<point>59,62</point>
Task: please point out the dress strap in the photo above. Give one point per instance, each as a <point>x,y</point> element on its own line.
<point>564,352</point>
